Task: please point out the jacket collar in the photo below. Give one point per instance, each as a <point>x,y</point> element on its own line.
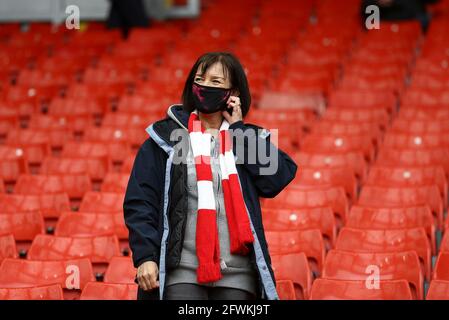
<point>176,118</point>
<point>179,115</point>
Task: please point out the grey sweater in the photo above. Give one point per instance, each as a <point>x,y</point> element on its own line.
<point>237,271</point>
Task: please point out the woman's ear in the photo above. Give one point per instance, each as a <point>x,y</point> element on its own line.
<point>235,93</point>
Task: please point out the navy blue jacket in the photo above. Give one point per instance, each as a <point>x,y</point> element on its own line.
<point>155,204</point>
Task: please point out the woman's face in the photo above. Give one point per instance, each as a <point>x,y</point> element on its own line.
<point>214,76</point>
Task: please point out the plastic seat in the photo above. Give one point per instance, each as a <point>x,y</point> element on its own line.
<point>444,245</point>
<point>7,247</point>
<point>295,198</point>
<point>75,185</point>
<point>132,136</point>
<point>417,113</point>
<point>304,218</point>
<point>438,290</point>
<point>82,224</point>
<point>344,128</point>
<point>98,249</point>
<point>74,107</point>
<point>102,202</point>
<point>351,115</point>
<point>407,157</point>
<point>72,123</point>
<point>397,240</point>
<point>33,151</point>
<point>294,267</point>
<point>406,197</point>
<point>389,176</point>
<point>308,241</point>
<point>354,161</point>
<point>330,177</point>
<point>109,291</point>
<point>420,126</point>
<point>50,292</point>
<point>55,137</point>
<point>128,163</point>
<point>285,290</point>
<point>361,217</point>
<point>115,182</point>
<point>441,271</point>
<point>50,205</point>
<point>12,163</point>
<point>344,265</point>
<point>120,270</point>
<point>24,226</point>
<point>116,151</point>
<point>362,99</point>
<point>95,168</point>
<point>325,289</point>
<point>18,273</point>
<point>416,140</point>
<point>339,144</point>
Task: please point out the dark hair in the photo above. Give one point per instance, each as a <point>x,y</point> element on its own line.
<point>231,66</point>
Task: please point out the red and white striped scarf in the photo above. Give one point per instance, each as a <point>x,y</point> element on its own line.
<point>207,240</point>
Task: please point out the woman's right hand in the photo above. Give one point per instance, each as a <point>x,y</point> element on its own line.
<point>147,275</point>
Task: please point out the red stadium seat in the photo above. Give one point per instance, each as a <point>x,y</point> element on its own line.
<point>408,197</point>
<point>12,163</point>
<point>420,126</point>
<point>389,176</point>
<point>351,160</point>
<point>82,224</point>
<point>18,273</point>
<point>116,151</point>
<point>128,164</point>
<point>95,168</point>
<point>294,198</point>
<point>54,137</point>
<point>325,289</point>
<point>438,290</point>
<point>351,115</point>
<point>361,217</point>
<point>75,124</point>
<point>132,136</point>
<point>105,202</point>
<point>50,205</point>
<point>308,241</point>
<point>120,270</point>
<point>115,182</point>
<point>50,292</point>
<point>441,271</point>
<point>285,289</point>
<point>7,247</point>
<point>397,240</point>
<point>363,99</point>
<point>344,128</point>
<point>98,249</point>
<point>407,157</point>
<point>75,185</point>
<point>344,265</point>
<point>416,140</point>
<point>24,226</point>
<point>294,267</point>
<point>304,218</point>
<point>339,144</point>
<point>330,177</point>
<point>109,291</point>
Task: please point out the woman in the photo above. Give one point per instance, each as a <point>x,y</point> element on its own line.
<point>192,202</point>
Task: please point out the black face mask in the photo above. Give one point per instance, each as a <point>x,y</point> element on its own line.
<point>210,99</point>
